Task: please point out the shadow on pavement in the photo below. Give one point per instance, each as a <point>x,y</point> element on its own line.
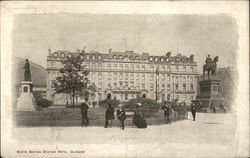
<point>211,123</point>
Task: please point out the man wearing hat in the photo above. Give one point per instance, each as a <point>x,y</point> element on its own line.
<point>167,113</point>
<point>121,116</point>
<point>84,111</point>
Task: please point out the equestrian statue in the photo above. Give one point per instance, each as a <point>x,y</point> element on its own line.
<point>210,66</point>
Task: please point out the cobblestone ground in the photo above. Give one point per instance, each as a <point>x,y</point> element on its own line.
<point>212,135</point>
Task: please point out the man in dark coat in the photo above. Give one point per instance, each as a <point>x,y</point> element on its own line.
<point>121,116</point>
<point>193,110</point>
<point>109,115</point>
<point>167,113</point>
<point>84,110</point>
<point>212,106</point>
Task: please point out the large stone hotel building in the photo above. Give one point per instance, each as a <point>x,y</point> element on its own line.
<point>128,75</point>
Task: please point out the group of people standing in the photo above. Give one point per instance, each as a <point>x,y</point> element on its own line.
<point>137,119</point>
<point>110,116</point>
<point>138,116</point>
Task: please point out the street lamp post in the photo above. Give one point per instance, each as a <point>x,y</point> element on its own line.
<point>156,89</point>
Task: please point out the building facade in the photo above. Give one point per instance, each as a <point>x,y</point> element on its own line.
<point>128,75</point>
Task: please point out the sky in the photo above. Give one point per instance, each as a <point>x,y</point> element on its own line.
<point>217,35</point>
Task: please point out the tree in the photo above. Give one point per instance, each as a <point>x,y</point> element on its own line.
<point>73,80</point>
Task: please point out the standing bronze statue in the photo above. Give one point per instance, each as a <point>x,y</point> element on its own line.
<point>210,66</point>
<point>27,75</point>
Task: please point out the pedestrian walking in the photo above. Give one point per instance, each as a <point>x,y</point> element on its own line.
<point>121,116</point>
<point>212,106</point>
<point>109,116</point>
<point>84,111</point>
<point>193,110</point>
<point>167,113</point>
<point>222,106</point>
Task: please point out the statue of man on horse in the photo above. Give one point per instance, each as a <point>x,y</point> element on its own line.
<point>210,66</point>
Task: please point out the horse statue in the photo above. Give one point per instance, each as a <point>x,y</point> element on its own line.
<point>210,67</point>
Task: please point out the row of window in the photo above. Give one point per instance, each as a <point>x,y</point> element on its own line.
<point>132,76</point>
<point>167,97</point>
<point>93,56</point>
<point>142,67</point>
<point>133,85</point>
<point>177,87</point>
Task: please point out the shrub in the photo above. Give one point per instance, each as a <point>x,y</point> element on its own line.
<point>146,104</point>
<point>104,103</point>
<point>44,103</point>
<point>149,107</point>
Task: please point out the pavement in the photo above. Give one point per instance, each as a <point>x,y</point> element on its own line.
<point>211,135</point>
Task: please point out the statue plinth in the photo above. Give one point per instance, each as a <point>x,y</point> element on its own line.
<point>209,93</point>
<point>26,101</point>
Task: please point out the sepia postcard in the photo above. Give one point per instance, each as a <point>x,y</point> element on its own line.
<point>125,79</point>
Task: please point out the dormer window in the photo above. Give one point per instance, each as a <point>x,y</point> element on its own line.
<point>62,55</point>
<point>167,59</point>
<point>150,58</point>
<point>136,57</point>
<point>93,57</point>
<point>55,54</point>
<point>87,57</point>
<point>156,59</point>
<point>99,57</point>
<point>162,59</point>
<point>70,55</point>
<point>114,57</point>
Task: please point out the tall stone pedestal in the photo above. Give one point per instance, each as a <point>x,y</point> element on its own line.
<point>209,93</point>
<point>26,101</point>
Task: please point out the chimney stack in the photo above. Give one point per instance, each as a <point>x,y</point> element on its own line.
<point>49,51</point>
